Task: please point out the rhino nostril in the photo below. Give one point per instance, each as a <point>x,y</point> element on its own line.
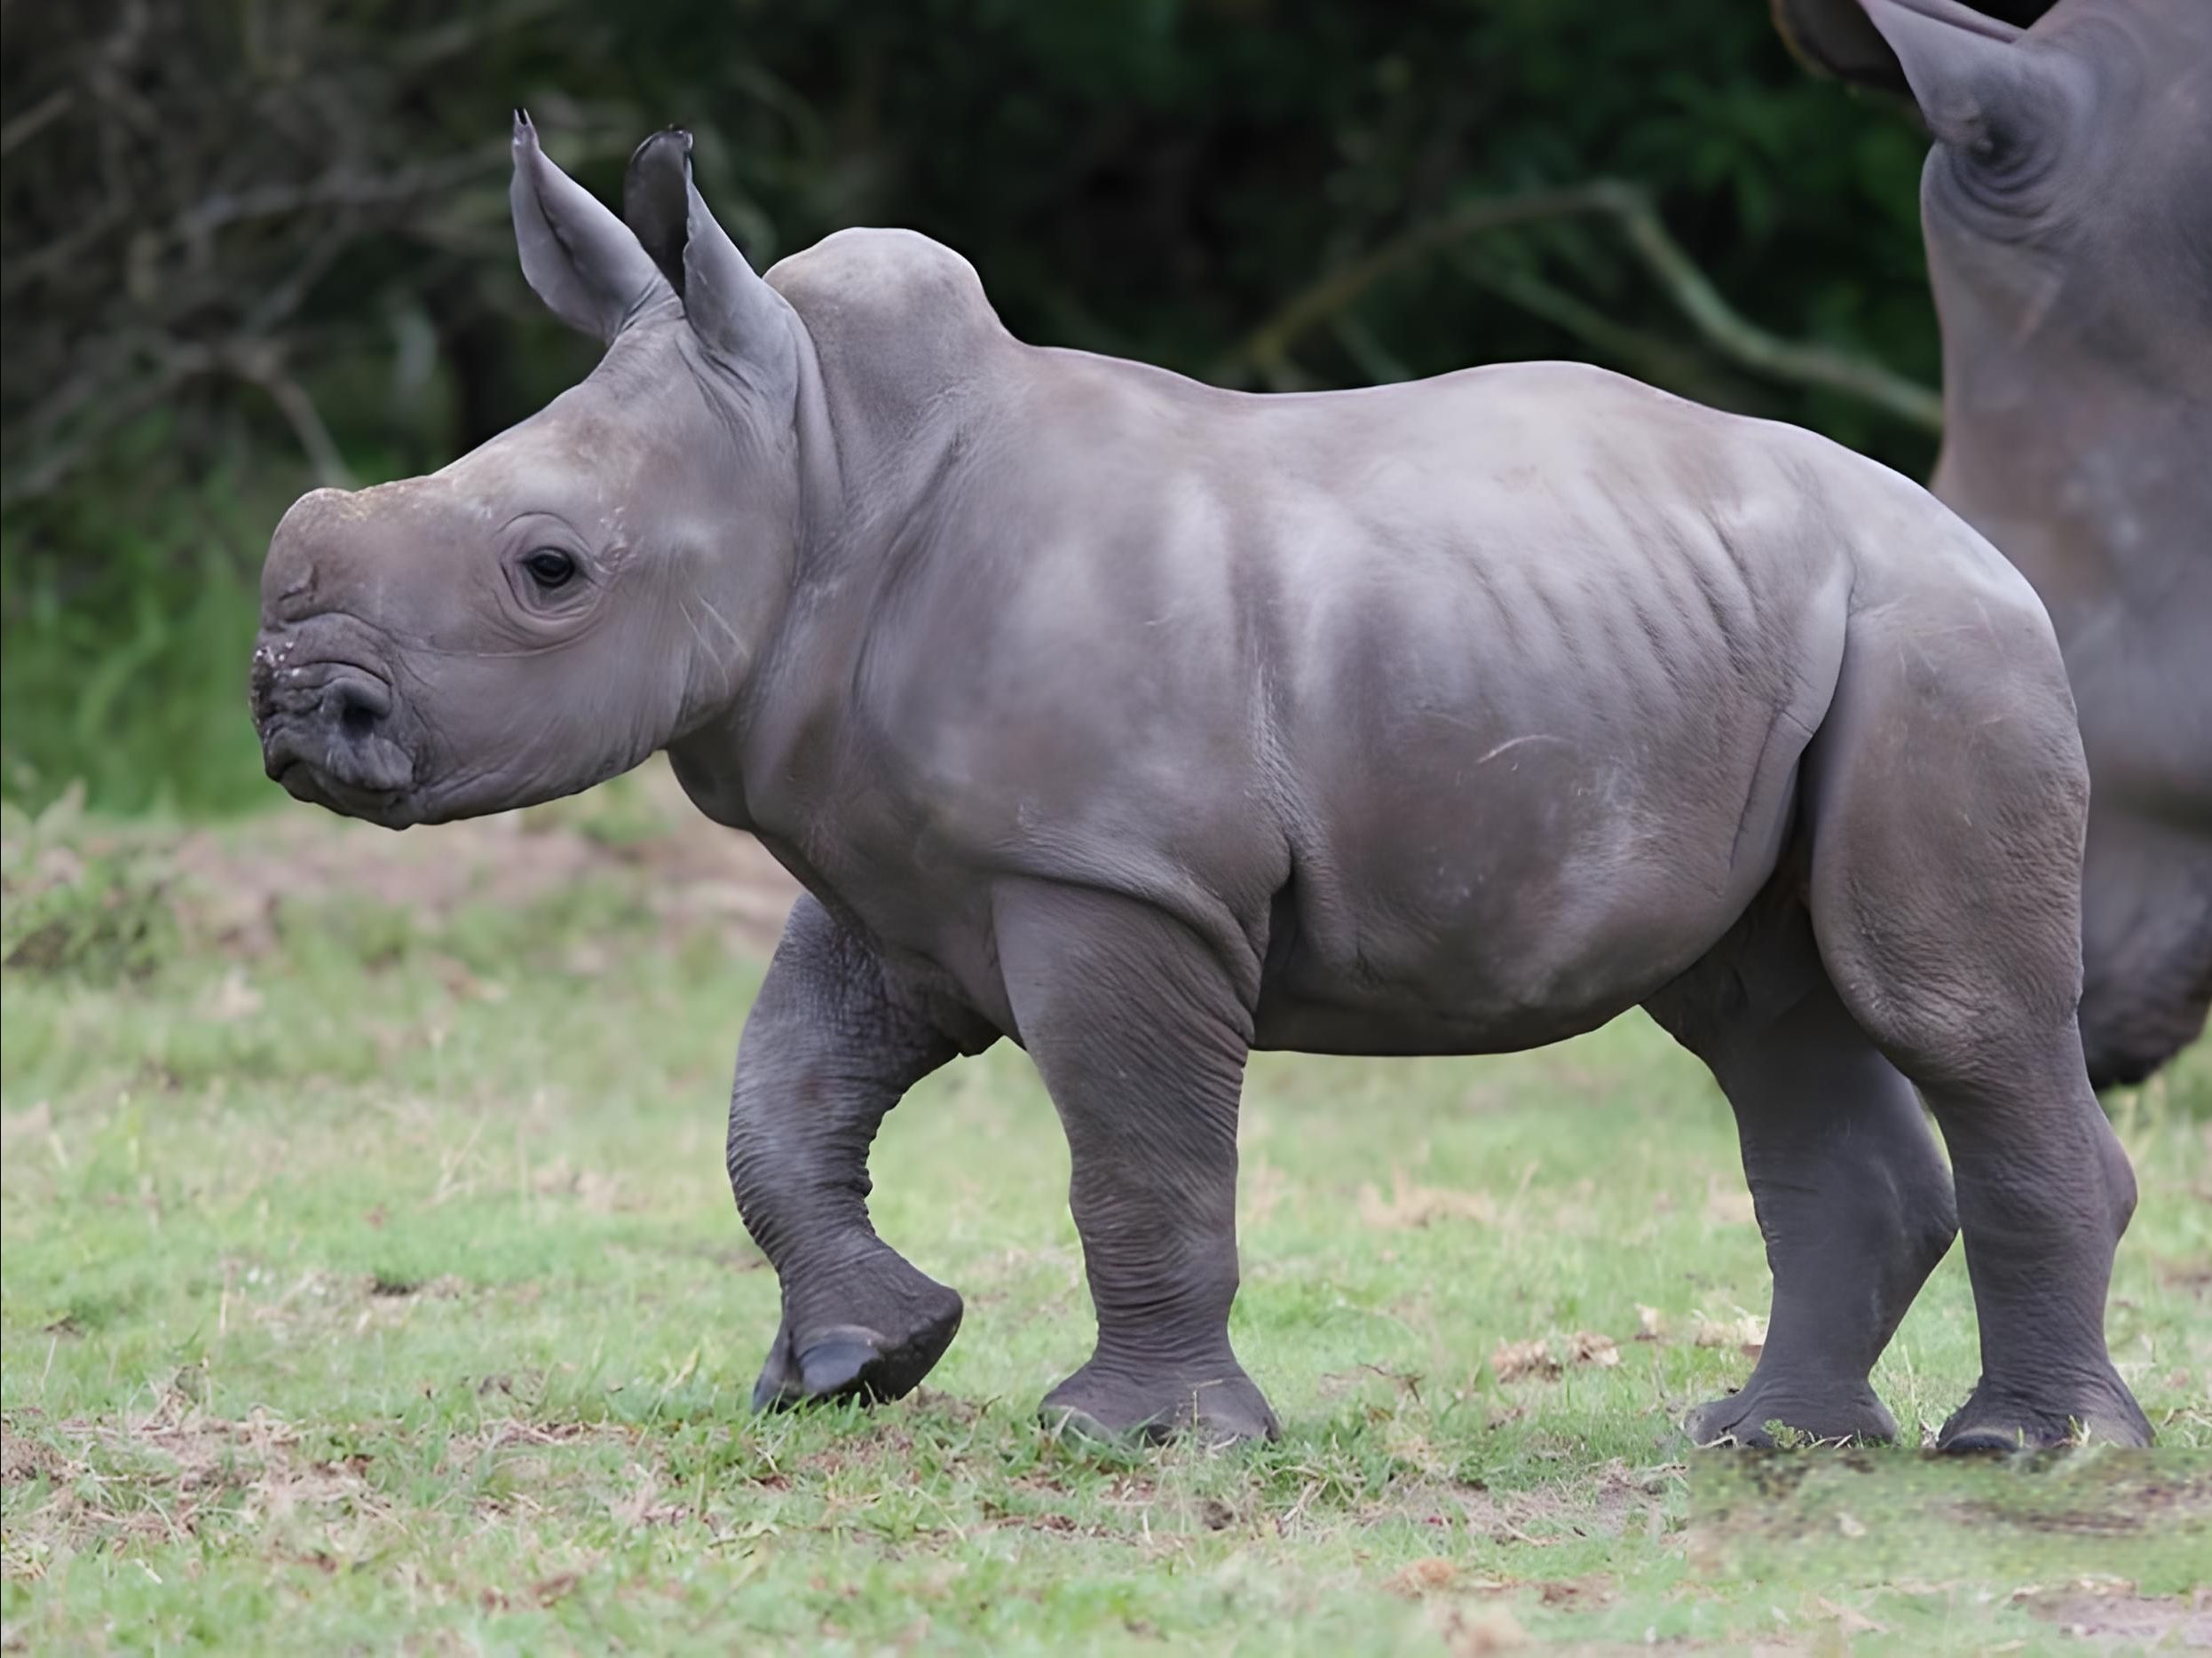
<point>359,704</point>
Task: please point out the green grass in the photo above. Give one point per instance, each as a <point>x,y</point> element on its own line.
<point>371,1281</point>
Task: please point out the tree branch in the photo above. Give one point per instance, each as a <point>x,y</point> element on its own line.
<point>1724,328</point>
<point>1270,343</point>
<point>1736,336</point>
<point>262,366</point>
<point>22,128</point>
<point>1665,360</point>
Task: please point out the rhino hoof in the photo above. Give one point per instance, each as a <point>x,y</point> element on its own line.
<point>848,1361</point>
<point>1739,1420</point>
<point>1223,1408</point>
<point>1991,1425</point>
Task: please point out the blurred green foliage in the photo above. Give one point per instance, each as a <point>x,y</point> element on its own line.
<point>122,667</point>
<point>250,241</point>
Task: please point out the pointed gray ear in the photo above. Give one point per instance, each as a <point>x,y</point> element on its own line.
<point>729,307</point>
<point>746,323</point>
<point>576,256</point>
<point>1836,37</point>
<point>655,189</point>
<point>1978,89</point>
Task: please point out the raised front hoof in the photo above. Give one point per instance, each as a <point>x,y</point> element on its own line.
<point>1742,1420</point>
<point>1993,1424</point>
<point>1215,1407</point>
<point>855,1361</point>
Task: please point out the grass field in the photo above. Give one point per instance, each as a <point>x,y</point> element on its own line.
<point>371,1282</point>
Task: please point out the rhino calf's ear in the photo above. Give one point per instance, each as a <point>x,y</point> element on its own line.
<point>742,321</point>
<point>732,310</point>
<point>576,257</point>
<point>656,200</point>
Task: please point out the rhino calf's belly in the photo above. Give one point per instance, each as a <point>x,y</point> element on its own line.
<point>1498,971</point>
<point>1516,942</point>
<point>1465,891</point>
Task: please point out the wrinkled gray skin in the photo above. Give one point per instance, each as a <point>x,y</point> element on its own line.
<point>2067,204</point>
<point>1148,723</point>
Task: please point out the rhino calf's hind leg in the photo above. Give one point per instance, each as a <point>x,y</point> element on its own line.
<point>1949,795</point>
<point>1852,1197</point>
<point>1141,1038</point>
<point>827,1051</point>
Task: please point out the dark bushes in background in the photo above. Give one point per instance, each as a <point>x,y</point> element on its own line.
<point>251,242</point>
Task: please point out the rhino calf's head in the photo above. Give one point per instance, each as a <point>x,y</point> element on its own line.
<point>551,608</point>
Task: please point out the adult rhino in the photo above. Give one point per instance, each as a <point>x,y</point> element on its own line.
<point>1148,723</point>
<point>2067,207</point>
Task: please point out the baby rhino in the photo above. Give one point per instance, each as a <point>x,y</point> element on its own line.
<point>1147,725</point>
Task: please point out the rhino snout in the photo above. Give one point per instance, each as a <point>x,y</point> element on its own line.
<point>331,733</point>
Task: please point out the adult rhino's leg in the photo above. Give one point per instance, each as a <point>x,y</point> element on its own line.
<point>1852,1197</point>
<point>1949,796</point>
<point>828,1051</point>
<point>2146,943</point>
<point>1140,1036</point>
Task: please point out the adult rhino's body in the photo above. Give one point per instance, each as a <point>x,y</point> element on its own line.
<point>1148,723</point>
<point>2067,204</point>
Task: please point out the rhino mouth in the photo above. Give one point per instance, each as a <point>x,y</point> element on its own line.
<point>332,735</point>
<point>317,785</point>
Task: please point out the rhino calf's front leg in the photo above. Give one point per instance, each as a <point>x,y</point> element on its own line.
<point>829,1048</point>
<point>1140,1032</point>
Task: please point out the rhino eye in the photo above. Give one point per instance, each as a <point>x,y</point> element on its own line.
<point>550,568</point>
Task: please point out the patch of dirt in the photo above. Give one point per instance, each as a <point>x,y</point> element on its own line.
<point>1612,1500</point>
<point>1512,1360</point>
<point>544,1592</point>
<point>177,1470</point>
<point>2192,1277</point>
<point>22,1459</point>
<point>1006,1517</point>
<point>528,1456</point>
<point>1424,1577</point>
<point>1744,1331</point>
<point>2136,1495</point>
<point>513,1432</point>
<point>1516,1361</point>
<point>2116,1615</point>
<point>159,1477</point>
<point>232,880</point>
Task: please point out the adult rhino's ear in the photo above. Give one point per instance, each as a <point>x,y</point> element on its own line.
<point>1957,67</point>
<point>1978,88</point>
<point>745,323</point>
<point>576,256</point>
<point>1836,37</point>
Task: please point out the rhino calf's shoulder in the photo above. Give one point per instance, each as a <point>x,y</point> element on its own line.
<point>1147,723</point>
